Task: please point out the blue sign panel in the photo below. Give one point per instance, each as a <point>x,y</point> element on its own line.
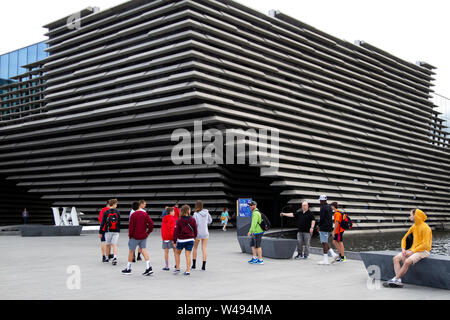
<point>243,209</point>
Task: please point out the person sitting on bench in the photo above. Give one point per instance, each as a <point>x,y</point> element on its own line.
<point>420,248</point>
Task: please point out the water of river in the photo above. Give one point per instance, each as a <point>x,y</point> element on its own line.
<point>383,241</point>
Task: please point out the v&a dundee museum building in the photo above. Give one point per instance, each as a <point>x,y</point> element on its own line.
<point>92,119</point>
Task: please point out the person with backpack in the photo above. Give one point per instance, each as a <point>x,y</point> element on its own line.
<point>224,219</point>
<point>305,226</point>
<point>183,238</point>
<point>140,227</point>
<point>325,228</point>
<point>338,232</point>
<point>256,232</point>
<point>419,249</point>
<point>203,219</point>
<point>110,228</point>
<point>105,258</point>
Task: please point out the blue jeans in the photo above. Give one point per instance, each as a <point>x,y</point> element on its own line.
<point>324,236</point>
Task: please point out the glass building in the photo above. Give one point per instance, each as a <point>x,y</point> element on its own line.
<point>443,104</point>
<point>11,64</point>
<point>22,82</point>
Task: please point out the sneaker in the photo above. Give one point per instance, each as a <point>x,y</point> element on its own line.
<point>394,283</point>
<point>166,268</point>
<point>252,260</point>
<point>344,259</point>
<point>126,271</point>
<point>110,256</point>
<point>134,260</point>
<point>148,272</point>
<point>336,258</point>
<point>193,267</point>
<point>114,261</point>
<point>259,261</point>
<point>104,259</point>
<point>305,257</point>
<point>298,256</point>
<point>187,273</point>
<point>176,271</point>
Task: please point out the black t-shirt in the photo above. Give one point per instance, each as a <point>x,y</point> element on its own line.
<point>304,220</point>
<point>326,220</point>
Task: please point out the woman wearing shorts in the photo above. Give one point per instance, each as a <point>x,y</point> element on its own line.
<point>183,237</point>
<point>203,219</point>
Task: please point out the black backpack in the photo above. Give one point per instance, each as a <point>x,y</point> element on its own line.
<point>112,220</point>
<point>265,223</point>
<point>346,222</point>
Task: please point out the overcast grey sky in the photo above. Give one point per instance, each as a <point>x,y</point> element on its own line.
<point>410,29</point>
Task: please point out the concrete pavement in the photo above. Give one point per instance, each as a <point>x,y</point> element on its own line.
<point>36,268</point>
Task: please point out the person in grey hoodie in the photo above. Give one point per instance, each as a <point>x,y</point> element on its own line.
<point>203,219</point>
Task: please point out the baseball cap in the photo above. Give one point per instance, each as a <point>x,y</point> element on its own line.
<point>323,197</point>
<point>252,203</point>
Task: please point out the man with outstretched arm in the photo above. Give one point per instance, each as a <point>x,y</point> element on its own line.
<point>305,226</point>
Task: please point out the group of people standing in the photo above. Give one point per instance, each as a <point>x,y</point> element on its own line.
<point>179,230</point>
<point>306,223</point>
<point>182,231</point>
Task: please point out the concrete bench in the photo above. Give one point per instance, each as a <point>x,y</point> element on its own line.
<point>275,248</point>
<point>433,271</point>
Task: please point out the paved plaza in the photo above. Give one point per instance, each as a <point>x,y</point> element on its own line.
<point>37,268</point>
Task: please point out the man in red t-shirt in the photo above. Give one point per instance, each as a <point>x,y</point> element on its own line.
<point>176,210</point>
<point>102,236</point>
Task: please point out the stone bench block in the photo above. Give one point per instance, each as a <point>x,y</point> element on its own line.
<point>50,231</point>
<point>433,271</point>
<point>274,248</point>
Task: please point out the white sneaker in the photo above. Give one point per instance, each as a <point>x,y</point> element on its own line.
<point>335,258</point>
<point>395,283</point>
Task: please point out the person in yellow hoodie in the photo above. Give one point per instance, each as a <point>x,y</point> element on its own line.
<point>420,248</point>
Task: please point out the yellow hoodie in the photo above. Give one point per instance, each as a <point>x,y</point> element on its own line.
<point>421,233</point>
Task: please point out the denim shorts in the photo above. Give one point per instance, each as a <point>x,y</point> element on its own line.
<point>188,245</point>
<point>324,236</point>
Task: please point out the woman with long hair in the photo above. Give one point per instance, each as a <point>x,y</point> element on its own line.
<point>203,219</point>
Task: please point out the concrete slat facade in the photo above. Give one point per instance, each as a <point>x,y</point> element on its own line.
<point>354,122</point>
